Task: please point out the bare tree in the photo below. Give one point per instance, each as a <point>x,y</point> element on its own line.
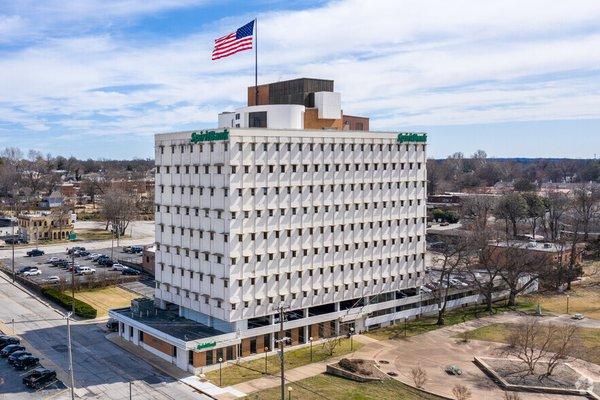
<point>478,209</point>
<point>533,342</point>
<point>118,210</point>
<point>461,392</point>
<point>511,208</point>
<point>452,258</point>
<point>586,204</point>
<point>556,204</point>
<point>519,268</point>
<point>419,376</point>
<point>511,396</point>
<point>535,210</point>
<point>485,273</point>
<point>331,344</point>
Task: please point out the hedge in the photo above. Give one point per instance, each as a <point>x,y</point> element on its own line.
<point>82,309</point>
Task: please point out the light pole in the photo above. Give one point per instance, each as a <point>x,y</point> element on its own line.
<point>289,393</point>
<point>12,245</point>
<point>266,355</point>
<point>351,334</point>
<point>129,390</point>
<point>72,281</point>
<point>310,339</point>
<point>70,347</point>
<point>405,326</point>
<point>568,303</point>
<point>220,371</point>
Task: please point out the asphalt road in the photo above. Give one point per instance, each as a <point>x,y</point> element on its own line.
<point>102,370</point>
<point>142,233</point>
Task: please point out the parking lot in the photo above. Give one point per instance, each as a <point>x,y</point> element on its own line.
<point>11,384</point>
<point>64,275</point>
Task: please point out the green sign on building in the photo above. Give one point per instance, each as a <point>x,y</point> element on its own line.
<point>404,137</point>
<point>209,136</point>
<point>207,345</point>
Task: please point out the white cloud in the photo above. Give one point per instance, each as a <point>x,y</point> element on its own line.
<point>403,62</point>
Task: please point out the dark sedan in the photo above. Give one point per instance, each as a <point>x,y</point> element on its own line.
<point>11,348</point>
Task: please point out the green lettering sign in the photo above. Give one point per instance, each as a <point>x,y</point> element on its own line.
<point>206,345</point>
<point>404,137</point>
<point>209,136</point>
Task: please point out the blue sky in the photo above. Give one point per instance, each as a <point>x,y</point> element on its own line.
<point>95,78</point>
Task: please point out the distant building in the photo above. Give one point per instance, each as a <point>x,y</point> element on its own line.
<point>45,226</point>
<point>503,251</point>
<point>54,200</point>
<point>148,259</point>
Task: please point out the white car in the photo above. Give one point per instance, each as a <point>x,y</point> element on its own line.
<point>117,267</point>
<point>52,259</point>
<point>32,272</point>
<point>86,271</point>
<point>52,279</point>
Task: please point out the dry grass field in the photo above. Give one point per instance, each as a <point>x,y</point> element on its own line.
<point>106,298</point>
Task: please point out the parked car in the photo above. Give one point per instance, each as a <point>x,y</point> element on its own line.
<point>578,316</point>
<point>8,340</point>
<point>92,256</point>
<point>14,240</point>
<point>85,270</point>
<point>74,249</point>
<point>127,249</point>
<point>11,348</point>
<point>112,325</point>
<point>35,253</point>
<point>32,272</point>
<point>52,260</point>
<point>84,253</point>
<point>117,267</point>
<point>453,370</point>
<point>39,378</point>
<point>137,249</point>
<point>59,262</point>
<point>72,267</point>
<point>16,355</point>
<point>52,279</point>
<point>130,271</point>
<point>26,362</point>
<point>106,262</point>
<point>22,270</point>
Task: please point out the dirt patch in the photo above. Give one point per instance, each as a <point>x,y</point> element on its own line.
<point>516,373</point>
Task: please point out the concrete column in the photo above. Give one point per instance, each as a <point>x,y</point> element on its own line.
<point>182,358</point>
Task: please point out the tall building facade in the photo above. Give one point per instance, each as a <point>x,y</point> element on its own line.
<point>329,224</point>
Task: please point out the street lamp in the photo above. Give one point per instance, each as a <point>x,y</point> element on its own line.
<point>351,334</point>
<point>289,393</point>
<point>310,339</point>
<point>220,371</point>
<point>266,355</point>
<point>568,303</point>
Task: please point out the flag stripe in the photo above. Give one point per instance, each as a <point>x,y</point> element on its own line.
<point>234,42</point>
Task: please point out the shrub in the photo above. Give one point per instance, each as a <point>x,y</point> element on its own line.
<point>82,309</point>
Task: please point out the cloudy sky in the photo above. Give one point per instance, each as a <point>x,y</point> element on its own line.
<point>97,78</point>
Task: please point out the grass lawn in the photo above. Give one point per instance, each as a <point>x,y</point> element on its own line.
<point>584,300</point>
<point>590,339</point>
<point>333,388</point>
<point>453,317</point>
<point>245,371</point>
<point>95,234</point>
<point>106,298</point>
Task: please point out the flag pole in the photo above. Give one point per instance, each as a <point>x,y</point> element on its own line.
<point>256,62</point>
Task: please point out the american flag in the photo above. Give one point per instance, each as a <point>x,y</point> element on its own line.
<point>237,41</point>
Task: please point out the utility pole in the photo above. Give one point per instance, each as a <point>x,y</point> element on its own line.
<point>12,223</point>
<point>72,280</point>
<point>70,356</point>
<point>282,339</point>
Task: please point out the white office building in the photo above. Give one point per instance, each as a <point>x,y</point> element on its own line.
<point>328,223</point>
